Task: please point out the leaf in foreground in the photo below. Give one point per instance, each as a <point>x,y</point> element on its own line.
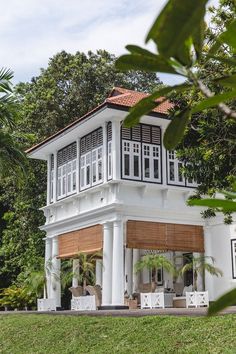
<point>225,205</point>
<point>176,128</point>
<point>221,303</point>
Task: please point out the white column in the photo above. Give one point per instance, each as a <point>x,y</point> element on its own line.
<point>56,269</point>
<point>48,179</point>
<point>199,275</point>
<point>77,165</point>
<point>55,178</point>
<point>136,276</point>
<point>116,150</point>
<point>128,271</point>
<point>107,264</point>
<point>145,276</point>
<point>75,278</point>
<point>48,257</point>
<point>98,272</point>
<point>118,264</point>
<point>104,131</point>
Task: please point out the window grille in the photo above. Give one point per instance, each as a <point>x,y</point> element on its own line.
<point>109,131</point>
<point>136,133</point>
<point>126,133</point>
<point>66,154</point>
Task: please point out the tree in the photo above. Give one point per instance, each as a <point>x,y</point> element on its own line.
<point>153,262</point>
<point>11,157</point>
<point>199,265</point>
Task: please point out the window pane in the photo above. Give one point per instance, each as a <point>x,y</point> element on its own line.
<point>180,176</point>
<point>94,172</point>
<point>172,171</point>
<point>87,175</point>
<point>136,165</point>
<point>69,183</point>
<point>127,167</point>
<point>147,168</point>
<point>99,170</point>
<point>74,181</point>
<point>82,177</point>
<point>156,168</point>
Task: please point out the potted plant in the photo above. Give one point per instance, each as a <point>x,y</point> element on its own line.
<point>199,265</point>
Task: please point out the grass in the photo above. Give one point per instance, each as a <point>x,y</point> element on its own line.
<point>74,334</point>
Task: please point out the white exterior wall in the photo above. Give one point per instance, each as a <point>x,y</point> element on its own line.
<point>125,199</point>
<point>218,245</point>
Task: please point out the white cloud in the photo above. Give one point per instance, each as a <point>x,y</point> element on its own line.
<point>33,31</point>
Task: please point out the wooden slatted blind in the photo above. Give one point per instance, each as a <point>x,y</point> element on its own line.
<point>86,240</point>
<point>162,236</point>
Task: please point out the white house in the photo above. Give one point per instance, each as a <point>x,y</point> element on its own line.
<point>118,191</point>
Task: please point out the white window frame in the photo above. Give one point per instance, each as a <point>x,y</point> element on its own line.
<point>109,160</point>
<point>66,173</point>
<point>133,145</point>
<point>151,159</point>
<point>96,159</point>
<point>233,255</point>
<point>51,182</point>
<point>171,158</point>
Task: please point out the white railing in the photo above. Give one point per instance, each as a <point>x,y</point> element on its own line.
<point>83,303</point>
<point>46,305</point>
<point>152,300</point>
<point>197,299</point>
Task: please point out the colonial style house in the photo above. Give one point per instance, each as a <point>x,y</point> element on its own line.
<point>120,192</point>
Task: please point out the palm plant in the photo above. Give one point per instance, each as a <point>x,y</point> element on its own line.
<point>86,269</point>
<point>199,265</point>
<point>10,154</point>
<point>153,262</point>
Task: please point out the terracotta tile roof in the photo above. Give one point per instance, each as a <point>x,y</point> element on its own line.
<point>118,97</point>
<point>128,98</point>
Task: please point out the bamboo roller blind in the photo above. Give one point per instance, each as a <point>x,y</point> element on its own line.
<point>162,236</point>
<point>86,240</point>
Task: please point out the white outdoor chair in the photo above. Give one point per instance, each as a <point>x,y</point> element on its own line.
<point>157,300</point>
<point>146,300</point>
<point>191,299</point>
<point>202,298</point>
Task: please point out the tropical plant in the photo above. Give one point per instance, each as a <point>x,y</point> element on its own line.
<point>199,265</point>
<point>16,297</point>
<point>11,156</point>
<point>152,262</point>
<point>85,271</point>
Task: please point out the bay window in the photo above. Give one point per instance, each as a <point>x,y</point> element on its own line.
<point>141,153</point>
<point>91,164</point>
<point>66,171</point>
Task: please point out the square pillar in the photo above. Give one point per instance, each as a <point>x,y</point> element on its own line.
<point>98,272</point>
<point>48,257</point>
<point>107,264</point>
<point>128,271</point>
<point>75,277</point>
<point>136,276</point>
<point>118,264</point>
<point>55,273</point>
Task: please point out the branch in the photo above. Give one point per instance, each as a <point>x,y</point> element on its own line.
<point>223,107</point>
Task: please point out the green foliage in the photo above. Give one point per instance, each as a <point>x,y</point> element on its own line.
<point>178,33</point>
<point>16,297</point>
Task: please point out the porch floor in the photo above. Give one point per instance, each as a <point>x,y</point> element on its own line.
<point>128,313</point>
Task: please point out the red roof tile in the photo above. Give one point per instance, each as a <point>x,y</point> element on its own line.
<point>128,98</point>
<point>118,97</point>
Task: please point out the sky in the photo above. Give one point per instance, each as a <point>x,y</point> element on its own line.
<point>32,31</point>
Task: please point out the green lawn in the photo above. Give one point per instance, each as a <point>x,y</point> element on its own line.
<point>71,334</point>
